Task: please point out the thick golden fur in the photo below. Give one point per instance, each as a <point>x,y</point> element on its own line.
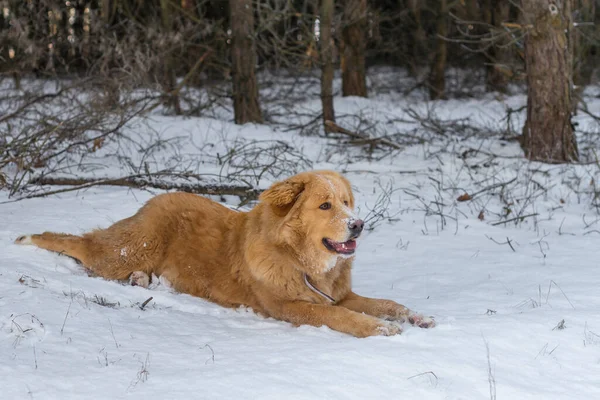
<point>256,258</point>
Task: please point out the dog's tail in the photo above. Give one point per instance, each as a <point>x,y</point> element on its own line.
<point>70,245</point>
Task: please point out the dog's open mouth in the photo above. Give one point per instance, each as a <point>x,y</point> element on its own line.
<point>340,247</point>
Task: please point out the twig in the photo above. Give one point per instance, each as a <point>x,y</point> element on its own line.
<point>589,336</point>
<point>560,326</point>
<point>142,375</point>
<point>335,128</point>
<point>491,379</point>
<point>559,288</point>
<point>66,315</point>
<point>212,357</point>
<point>592,231</point>
<point>35,357</point>
<point>113,334</point>
<point>522,217</point>
<point>146,302</point>
<point>491,187</point>
<point>39,99</point>
<point>424,373</point>
<point>190,73</point>
<point>508,242</point>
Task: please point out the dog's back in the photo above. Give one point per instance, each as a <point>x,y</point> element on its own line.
<point>184,237</point>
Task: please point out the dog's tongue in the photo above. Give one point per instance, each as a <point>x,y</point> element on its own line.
<point>345,246</point>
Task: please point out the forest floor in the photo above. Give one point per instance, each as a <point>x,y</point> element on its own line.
<point>501,251</point>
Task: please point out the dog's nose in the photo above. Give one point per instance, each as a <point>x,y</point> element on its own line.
<point>356,226</point>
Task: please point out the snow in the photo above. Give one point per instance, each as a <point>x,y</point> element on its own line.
<point>499,311</point>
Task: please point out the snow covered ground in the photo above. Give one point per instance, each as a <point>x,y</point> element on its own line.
<point>517,301</point>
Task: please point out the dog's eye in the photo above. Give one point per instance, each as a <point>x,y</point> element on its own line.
<point>325,206</point>
<point>346,203</point>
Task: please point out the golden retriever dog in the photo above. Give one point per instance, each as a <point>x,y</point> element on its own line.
<point>288,258</point>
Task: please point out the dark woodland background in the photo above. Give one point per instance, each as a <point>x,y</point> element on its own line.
<point>158,40</point>
<point>549,47</point>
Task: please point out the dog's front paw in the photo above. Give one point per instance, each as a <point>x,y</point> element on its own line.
<point>139,278</point>
<point>366,325</point>
<point>390,311</point>
<point>421,321</point>
<point>388,328</point>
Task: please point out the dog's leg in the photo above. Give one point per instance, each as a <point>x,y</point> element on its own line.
<point>109,254</point>
<point>139,278</point>
<point>70,245</point>
<point>385,309</point>
<point>337,318</point>
<point>142,279</point>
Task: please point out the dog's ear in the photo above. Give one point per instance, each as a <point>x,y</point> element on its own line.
<point>281,196</point>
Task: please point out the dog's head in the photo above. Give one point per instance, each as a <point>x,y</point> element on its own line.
<point>315,218</point>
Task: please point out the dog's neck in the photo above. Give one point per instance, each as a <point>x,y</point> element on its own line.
<point>316,290</point>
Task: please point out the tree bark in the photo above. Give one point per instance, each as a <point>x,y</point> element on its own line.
<point>487,11</point>
<point>548,133</point>
<point>168,78</point>
<point>499,73</point>
<point>437,79</point>
<point>326,54</point>
<point>106,11</point>
<point>354,35</point>
<point>473,11</point>
<point>419,41</point>
<point>246,107</point>
<point>582,68</point>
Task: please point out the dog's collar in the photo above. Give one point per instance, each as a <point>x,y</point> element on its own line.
<point>317,291</point>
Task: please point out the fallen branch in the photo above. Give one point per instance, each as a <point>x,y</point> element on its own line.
<point>508,242</point>
<point>424,373</point>
<point>492,187</point>
<point>148,300</point>
<point>141,181</point>
<point>335,128</point>
<point>522,217</point>
<point>469,197</point>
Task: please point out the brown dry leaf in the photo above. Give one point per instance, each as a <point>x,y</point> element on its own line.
<point>481,217</point>
<point>98,143</point>
<point>464,197</point>
<point>562,201</point>
<point>21,163</point>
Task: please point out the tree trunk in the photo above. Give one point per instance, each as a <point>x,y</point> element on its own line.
<point>354,34</point>
<point>326,54</point>
<point>419,41</point>
<point>582,69</point>
<point>487,11</point>
<point>499,73</point>
<point>548,133</point>
<point>168,78</point>
<point>107,11</point>
<point>437,79</point>
<point>243,62</point>
<point>473,11</point>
